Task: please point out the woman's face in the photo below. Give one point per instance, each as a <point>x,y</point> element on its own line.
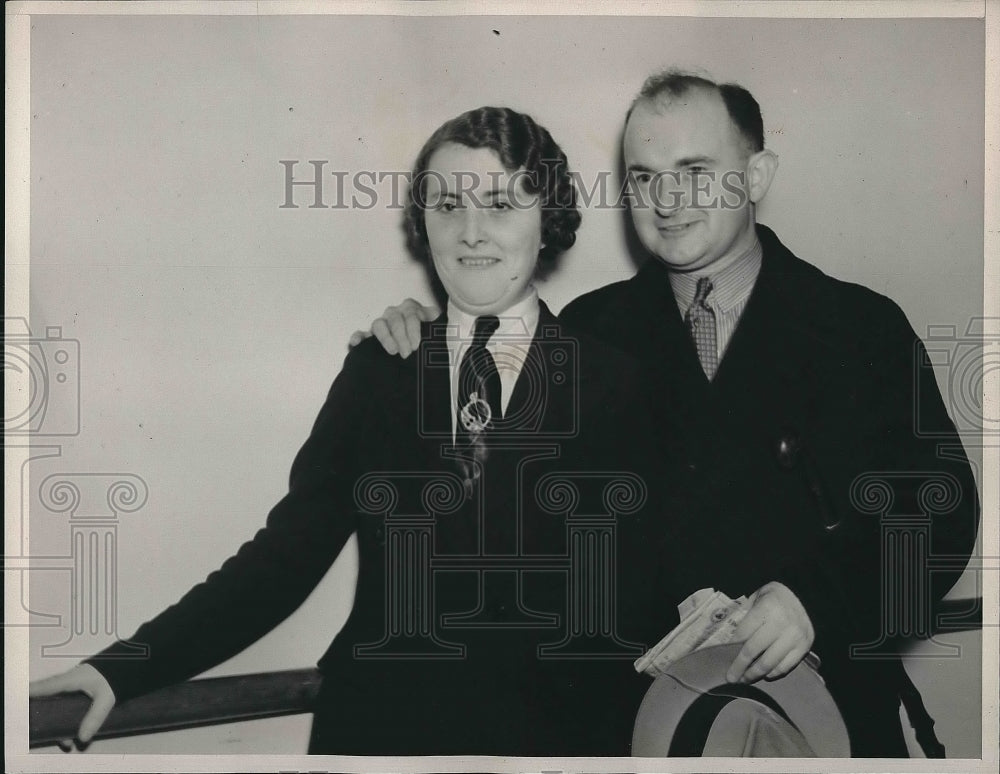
<point>484,230</point>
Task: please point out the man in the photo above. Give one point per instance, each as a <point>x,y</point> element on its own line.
<point>792,395</point>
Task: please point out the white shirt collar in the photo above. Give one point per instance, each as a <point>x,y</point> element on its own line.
<point>517,323</point>
<point>509,344</point>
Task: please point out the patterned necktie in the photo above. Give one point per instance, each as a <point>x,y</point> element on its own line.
<point>700,319</point>
<point>478,398</point>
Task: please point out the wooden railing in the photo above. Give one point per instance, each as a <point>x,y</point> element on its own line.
<point>268,694</point>
<point>186,705</point>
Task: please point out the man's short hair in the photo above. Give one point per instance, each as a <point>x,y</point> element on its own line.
<point>740,103</point>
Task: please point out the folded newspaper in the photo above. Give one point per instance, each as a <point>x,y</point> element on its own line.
<point>708,617</point>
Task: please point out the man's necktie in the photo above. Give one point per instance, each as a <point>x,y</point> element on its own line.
<point>478,397</point>
<point>700,319</point>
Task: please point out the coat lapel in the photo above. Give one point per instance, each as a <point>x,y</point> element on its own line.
<point>539,402</point>
<point>434,383</point>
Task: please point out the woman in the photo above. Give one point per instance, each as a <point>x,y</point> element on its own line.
<point>468,634</point>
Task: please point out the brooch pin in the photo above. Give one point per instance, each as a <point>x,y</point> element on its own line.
<point>476,414</point>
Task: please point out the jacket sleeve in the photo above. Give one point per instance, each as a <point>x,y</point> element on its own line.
<point>907,507</point>
<point>270,575</point>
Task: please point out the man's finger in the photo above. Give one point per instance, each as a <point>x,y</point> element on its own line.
<point>66,745</point>
<point>761,640</point>
<point>380,329</point>
<point>413,332</point>
<point>428,313</point>
<point>397,329</point>
<point>787,664</point>
<point>751,622</point>
<point>357,337</point>
<point>770,658</point>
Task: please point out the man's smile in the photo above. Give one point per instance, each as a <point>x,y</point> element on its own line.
<point>675,228</point>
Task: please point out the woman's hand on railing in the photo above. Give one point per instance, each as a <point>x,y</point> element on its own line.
<point>85,679</point>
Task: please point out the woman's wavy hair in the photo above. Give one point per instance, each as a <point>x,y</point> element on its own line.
<point>519,142</point>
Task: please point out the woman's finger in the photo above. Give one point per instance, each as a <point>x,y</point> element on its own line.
<point>99,710</point>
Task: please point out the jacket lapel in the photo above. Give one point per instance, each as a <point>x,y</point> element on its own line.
<point>757,369</point>
<point>434,383</point>
<point>544,399</point>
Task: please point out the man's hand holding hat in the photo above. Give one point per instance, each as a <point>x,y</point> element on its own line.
<point>776,634</point>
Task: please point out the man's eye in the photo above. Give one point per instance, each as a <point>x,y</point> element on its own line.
<point>642,177</point>
<point>501,206</point>
<point>697,170</point>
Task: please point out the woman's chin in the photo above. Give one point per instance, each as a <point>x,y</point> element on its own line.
<point>480,306</point>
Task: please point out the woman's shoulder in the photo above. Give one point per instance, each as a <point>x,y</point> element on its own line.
<point>369,370</point>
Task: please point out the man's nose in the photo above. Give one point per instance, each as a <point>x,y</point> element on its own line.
<point>472,233</point>
<point>668,194</point>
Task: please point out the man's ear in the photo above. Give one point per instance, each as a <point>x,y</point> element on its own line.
<point>761,167</point>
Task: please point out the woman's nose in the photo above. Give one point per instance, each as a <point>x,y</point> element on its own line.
<point>472,232</point>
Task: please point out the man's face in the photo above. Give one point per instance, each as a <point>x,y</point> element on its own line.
<point>483,229</point>
<point>688,164</point>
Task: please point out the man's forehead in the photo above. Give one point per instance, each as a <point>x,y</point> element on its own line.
<point>696,122</point>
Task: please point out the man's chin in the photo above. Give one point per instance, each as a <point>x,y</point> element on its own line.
<point>678,263</point>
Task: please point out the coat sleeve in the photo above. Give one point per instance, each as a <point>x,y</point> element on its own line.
<point>907,506</point>
<point>270,575</point>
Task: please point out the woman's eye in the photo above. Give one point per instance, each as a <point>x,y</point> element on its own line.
<point>498,205</point>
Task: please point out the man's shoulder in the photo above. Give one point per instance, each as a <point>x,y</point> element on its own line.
<point>597,356</point>
<point>583,309</point>
<point>812,293</point>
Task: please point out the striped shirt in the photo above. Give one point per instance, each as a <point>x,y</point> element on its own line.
<point>730,292</point>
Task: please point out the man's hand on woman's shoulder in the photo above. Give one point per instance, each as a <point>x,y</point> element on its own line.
<point>398,329</point>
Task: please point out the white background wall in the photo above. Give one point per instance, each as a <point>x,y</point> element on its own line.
<point>211,322</point>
